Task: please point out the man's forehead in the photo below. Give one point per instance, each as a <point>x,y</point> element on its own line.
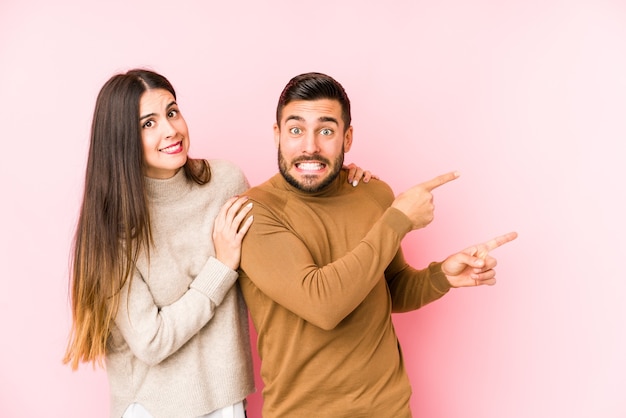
<point>309,110</point>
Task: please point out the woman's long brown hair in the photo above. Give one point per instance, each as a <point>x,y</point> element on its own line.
<point>114,221</point>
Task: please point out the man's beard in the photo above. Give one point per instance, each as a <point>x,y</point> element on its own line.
<point>309,184</point>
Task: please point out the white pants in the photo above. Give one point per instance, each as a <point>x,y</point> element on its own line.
<point>135,410</point>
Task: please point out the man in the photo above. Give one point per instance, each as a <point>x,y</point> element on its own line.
<point>323,269</point>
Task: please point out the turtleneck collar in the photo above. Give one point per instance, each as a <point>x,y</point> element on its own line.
<point>167,190</point>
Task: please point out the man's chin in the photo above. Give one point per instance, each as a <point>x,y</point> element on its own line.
<point>307,183</point>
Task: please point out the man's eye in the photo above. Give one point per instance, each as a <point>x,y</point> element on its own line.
<point>326,132</point>
<point>172,113</point>
<point>295,131</point>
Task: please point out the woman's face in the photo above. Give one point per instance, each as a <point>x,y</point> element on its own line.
<point>163,133</point>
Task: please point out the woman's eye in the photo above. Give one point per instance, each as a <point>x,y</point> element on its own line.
<point>148,124</point>
<point>326,131</point>
<point>295,131</point>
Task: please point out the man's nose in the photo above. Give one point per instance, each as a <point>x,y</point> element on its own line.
<point>310,144</point>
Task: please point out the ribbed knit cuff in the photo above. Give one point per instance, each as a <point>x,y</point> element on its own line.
<point>438,278</point>
<point>215,280</point>
<point>398,221</point>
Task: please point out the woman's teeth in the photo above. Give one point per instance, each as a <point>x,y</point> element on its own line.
<point>171,148</point>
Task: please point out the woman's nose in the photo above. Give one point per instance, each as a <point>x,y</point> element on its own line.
<point>169,130</point>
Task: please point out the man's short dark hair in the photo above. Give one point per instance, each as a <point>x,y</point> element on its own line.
<point>314,86</point>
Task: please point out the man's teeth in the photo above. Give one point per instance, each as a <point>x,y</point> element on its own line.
<point>310,166</point>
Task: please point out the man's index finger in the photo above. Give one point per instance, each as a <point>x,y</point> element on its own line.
<point>440,180</point>
<point>501,240</point>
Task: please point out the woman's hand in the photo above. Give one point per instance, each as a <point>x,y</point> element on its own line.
<point>356,173</point>
<point>229,229</point>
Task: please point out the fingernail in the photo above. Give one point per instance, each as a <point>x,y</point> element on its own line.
<point>354,183</point>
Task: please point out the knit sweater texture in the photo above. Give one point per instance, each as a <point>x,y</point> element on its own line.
<point>179,344</point>
<point>321,275</point>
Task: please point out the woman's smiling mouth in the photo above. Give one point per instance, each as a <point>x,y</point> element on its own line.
<point>173,149</point>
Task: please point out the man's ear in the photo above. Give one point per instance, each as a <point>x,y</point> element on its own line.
<point>347,139</point>
<point>276,135</point>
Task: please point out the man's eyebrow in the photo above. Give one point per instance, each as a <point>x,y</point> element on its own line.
<point>328,119</point>
<point>294,117</point>
<point>320,119</point>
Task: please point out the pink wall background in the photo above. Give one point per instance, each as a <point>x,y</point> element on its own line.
<point>527,99</point>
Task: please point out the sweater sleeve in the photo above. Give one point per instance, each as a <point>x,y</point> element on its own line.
<point>282,267</point>
<point>410,288</point>
<point>153,333</point>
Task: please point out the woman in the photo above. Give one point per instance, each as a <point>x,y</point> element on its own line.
<point>154,261</point>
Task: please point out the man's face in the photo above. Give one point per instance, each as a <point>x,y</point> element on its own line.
<point>311,141</point>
